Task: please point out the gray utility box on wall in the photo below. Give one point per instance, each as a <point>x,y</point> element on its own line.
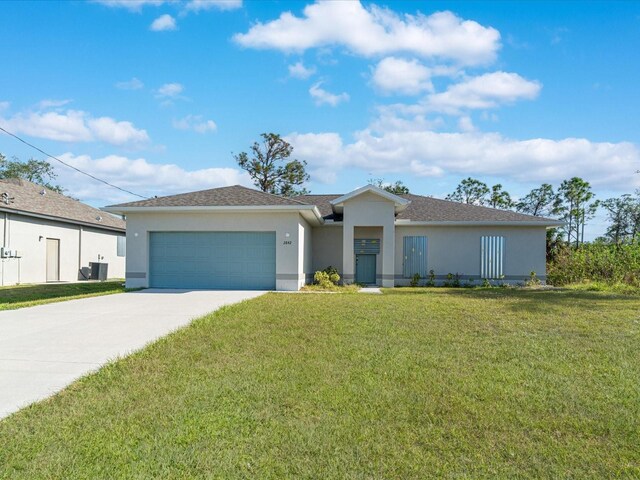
<point>99,270</point>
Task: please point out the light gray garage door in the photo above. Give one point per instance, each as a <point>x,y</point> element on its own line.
<point>213,260</point>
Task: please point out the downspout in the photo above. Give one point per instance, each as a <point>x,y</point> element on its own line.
<point>80,274</point>
<point>4,243</point>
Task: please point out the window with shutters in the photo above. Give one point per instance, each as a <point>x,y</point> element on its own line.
<point>414,257</point>
<point>491,257</point>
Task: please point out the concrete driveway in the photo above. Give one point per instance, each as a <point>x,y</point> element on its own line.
<point>45,348</point>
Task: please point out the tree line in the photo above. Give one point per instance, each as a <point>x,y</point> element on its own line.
<point>269,166</point>
<point>573,202</point>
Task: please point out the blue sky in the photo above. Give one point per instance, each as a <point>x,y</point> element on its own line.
<point>154,96</point>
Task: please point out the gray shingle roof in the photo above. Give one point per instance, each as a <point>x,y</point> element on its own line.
<point>234,196</point>
<point>28,198</point>
<point>421,209</point>
<point>429,209</point>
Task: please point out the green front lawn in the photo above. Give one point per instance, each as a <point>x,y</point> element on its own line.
<point>29,295</point>
<point>415,383</point>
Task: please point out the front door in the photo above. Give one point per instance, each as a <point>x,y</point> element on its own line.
<point>366,269</point>
<point>53,260</point>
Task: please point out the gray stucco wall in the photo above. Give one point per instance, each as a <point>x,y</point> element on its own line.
<point>305,250</point>
<point>450,249</point>
<point>327,247</point>
<point>369,210</point>
<point>457,250</point>
<point>289,265</point>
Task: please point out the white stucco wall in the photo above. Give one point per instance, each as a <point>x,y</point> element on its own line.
<point>96,243</point>
<point>290,273</point>
<point>457,250</point>
<point>23,234</point>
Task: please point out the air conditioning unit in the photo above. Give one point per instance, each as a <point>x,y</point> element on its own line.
<point>98,270</point>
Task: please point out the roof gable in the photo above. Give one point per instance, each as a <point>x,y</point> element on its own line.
<point>397,200</point>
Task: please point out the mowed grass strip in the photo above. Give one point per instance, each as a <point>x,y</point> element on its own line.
<point>21,296</point>
<point>415,383</point>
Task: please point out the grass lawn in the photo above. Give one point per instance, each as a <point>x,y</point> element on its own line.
<point>415,383</point>
<point>29,295</point>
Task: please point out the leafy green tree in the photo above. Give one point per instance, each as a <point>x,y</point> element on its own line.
<point>574,203</point>
<point>36,171</point>
<point>397,188</point>
<point>500,198</point>
<point>470,191</point>
<point>271,170</point>
<point>539,202</point>
<point>543,202</point>
<point>624,218</point>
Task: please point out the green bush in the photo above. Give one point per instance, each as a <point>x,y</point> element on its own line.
<point>327,278</point>
<point>415,280</point>
<point>596,262</point>
<point>533,280</point>
<point>431,279</point>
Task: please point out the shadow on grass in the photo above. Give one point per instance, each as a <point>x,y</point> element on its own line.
<point>525,299</point>
<point>29,293</point>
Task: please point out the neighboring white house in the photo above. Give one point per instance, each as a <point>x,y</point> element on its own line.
<point>49,237</point>
<point>240,238</point>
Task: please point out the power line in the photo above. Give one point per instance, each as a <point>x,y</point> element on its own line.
<point>71,166</point>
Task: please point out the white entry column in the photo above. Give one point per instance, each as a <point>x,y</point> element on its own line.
<point>348,266</point>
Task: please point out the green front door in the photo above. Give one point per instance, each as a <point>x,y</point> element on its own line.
<point>366,269</point>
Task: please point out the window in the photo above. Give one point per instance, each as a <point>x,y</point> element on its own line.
<point>366,245</point>
<point>122,246</point>
<point>491,257</point>
<point>414,256</point>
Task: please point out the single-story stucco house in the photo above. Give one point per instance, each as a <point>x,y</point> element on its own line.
<point>49,237</point>
<point>240,238</point>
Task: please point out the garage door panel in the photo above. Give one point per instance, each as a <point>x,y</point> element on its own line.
<point>212,260</point>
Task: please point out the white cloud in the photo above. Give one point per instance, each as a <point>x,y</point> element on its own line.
<point>75,126</point>
<point>199,5</point>
<point>397,75</point>
<point>114,132</point>
<point>485,91</point>
<point>322,97</point>
<point>323,151</point>
<point>4,106</point>
<point>170,90</point>
<point>465,124</point>
<point>133,84</point>
<point>139,176</point>
<point>132,5</point>
<point>375,31</point>
<point>163,23</point>
<point>298,70</point>
<point>44,104</point>
<point>433,154</point>
<point>195,123</point>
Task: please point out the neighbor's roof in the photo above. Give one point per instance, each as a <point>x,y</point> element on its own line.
<point>234,196</point>
<point>35,200</point>
<point>429,209</point>
<point>420,208</point>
